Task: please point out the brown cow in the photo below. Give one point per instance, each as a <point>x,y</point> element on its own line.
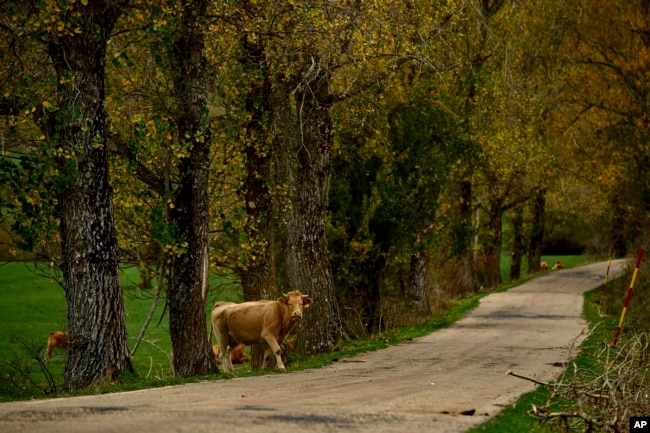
<point>237,355</point>
<point>558,265</point>
<point>543,266</point>
<point>55,339</point>
<point>257,322</point>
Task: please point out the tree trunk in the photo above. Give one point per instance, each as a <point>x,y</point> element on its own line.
<point>370,294</point>
<point>465,280</point>
<point>618,226</point>
<point>518,243</point>
<point>258,275</point>
<point>492,258</point>
<point>98,345</point>
<point>190,213</point>
<point>537,232</point>
<point>307,255</point>
<point>419,283</point>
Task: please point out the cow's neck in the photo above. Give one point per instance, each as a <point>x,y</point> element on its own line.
<point>284,330</point>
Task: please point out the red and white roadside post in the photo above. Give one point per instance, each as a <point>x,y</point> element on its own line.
<point>629,295</point>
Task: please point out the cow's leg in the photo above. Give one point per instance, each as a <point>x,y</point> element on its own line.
<point>224,349</point>
<point>224,356</point>
<point>275,349</point>
<point>267,354</point>
<point>48,352</point>
<point>226,361</point>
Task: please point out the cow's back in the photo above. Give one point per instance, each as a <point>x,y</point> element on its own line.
<point>246,322</point>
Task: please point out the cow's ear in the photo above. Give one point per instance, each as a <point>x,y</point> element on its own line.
<point>284,299</point>
<point>306,301</point>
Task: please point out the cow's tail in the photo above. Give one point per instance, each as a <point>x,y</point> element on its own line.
<point>210,334</point>
<point>212,331</point>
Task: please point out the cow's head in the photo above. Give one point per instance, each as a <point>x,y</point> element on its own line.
<point>296,301</point>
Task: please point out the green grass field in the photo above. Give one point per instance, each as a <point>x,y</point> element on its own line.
<point>32,305</point>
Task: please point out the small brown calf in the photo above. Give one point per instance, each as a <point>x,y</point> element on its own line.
<point>291,343</point>
<point>558,265</point>
<point>55,339</point>
<point>289,346</point>
<point>237,355</point>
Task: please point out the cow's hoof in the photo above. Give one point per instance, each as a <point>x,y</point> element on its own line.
<point>282,370</point>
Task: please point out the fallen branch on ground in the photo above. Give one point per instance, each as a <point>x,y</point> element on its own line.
<point>520,376</point>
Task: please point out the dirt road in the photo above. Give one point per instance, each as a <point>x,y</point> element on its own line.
<point>448,381</point>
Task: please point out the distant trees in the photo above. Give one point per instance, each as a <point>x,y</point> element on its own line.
<point>605,94</point>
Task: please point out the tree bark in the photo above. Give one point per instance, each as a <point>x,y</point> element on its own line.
<point>98,345</point>
<point>306,252</point>
<point>518,243</point>
<point>419,283</point>
<point>466,279</point>
<point>258,275</point>
<point>618,225</point>
<point>492,259</point>
<point>537,232</point>
<point>190,213</point>
<point>370,293</point>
